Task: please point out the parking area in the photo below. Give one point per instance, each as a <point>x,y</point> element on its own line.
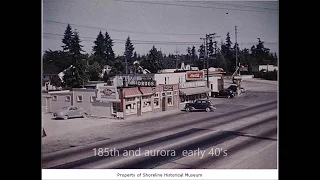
<point>55,127</point>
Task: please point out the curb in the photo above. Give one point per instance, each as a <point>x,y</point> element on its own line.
<point>153,116</point>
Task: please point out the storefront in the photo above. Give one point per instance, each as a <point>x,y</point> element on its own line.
<point>130,101</point>
<point>190,91</point>
<point>169,96</point>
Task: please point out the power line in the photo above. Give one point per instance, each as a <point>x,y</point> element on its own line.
<point>184,5</point>
<point>119,30</point>
<point>137,41</point>
<point>232,5</point>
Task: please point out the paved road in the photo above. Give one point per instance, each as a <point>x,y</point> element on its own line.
<point>241,133</point>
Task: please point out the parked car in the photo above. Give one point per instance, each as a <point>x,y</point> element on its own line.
<point>234,88</point>
<point>70,112</point>
<point>226,93</point>
<point>206,105</point>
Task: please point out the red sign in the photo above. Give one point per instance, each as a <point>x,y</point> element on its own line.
<point>107,92</point>
<point>195,75</point>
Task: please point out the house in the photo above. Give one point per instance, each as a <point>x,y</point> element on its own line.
<point>48,74</point>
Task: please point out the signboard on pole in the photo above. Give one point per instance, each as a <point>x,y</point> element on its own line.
<point>106,93</point>
<point>146,83</point>
<point>168,88</point>
<point>194,75</point>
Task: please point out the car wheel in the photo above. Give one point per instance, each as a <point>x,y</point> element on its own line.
<point>188,109</point>
<point>208,109</point>
<point>65,117</point>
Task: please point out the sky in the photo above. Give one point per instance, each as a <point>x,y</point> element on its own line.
<point>168,25</point>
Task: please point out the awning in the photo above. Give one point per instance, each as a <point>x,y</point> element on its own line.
<point>146,90</point>
<point>196,90</point>
<point>131,92</point>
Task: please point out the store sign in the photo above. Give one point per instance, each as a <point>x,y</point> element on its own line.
<point>168,88</point>
<point>107,93</point>
<point>146,83</point>
<point>144,78</point>
<point>194,75</point>
<point>192,84</point>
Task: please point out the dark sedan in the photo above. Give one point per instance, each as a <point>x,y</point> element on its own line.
<point>228,93</point>
<point>200,105</point>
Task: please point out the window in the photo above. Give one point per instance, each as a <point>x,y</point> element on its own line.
<point>130,99</point>
<point>68,98</point>
<point>165,80</point>
<point>79,98</point>
<point>131,105</point>
<point>156,103</point>
<point>156,95</point>
<point>54,98</point>
<point>93,99</point>
<point>169,93</point>
<point>175,92</point>
<point>131,108</point>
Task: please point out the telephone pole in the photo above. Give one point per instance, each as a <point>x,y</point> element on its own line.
<point>206,55</point>
<point>177,56</point>
<point>237,52</point>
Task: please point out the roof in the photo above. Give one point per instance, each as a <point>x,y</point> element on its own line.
<point>131,92</point>
<point>196,90</point>
<point>146,90</point>
<point>60,92</point>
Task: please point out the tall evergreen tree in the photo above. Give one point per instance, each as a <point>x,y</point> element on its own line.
<point>188,56</point>
<point>228,41</point>
<point>152,61</point>
<point>201,51</point>
<point>227,54</point>
<point>77,75</point>
<point>76,47</point>
<point>99,49</point>
<point>110,57</point>
<point>193,56</point>
<point>128,51</point>
<point>94,71</point>
<point>67,39</point>
<point>210,52</point>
